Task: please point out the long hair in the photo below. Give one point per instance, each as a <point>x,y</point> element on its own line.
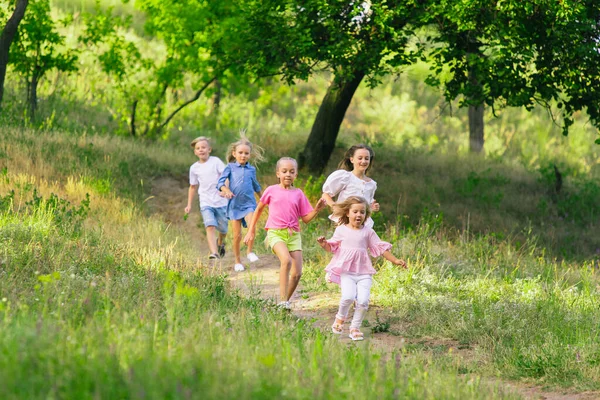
<point>347,164</point>
<point>340,210</point>
<point>256,152</point>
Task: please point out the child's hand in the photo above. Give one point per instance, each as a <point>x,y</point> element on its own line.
<point>249,237</point>
<point>188,209</point>
<point>374,205</point>
<point>322,241</point>
<point>321,204</point>
<point>399,262</point>
<point>228,194</point>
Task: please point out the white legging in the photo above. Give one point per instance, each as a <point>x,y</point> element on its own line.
<point>355,287</point>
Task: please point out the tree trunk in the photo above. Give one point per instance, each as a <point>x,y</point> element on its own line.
<point>6,38</point>
<point>32,94</point>
<point>476,128</point>
<point>321,141</point>
<point>217,97</point>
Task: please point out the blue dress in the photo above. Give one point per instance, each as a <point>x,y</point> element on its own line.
<point>243,184</point>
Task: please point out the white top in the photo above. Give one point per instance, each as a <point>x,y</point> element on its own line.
<point>345,184</point>
<point>206,175</point>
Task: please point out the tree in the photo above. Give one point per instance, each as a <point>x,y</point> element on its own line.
<point>39,48</point>
<point>353,40</point>
<point>515,53</point>
<point>6,38</point>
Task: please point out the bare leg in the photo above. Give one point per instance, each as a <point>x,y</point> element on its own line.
<point>237,239</point>
<point>250,243</point>
<point>296,272</point>
<point>281,251</point>
<point>210,237</point>
<point>221,239</point>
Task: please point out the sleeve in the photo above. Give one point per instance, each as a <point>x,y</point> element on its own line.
<point>193,177</point>
<point>304,206</point>
<point>336,182</point>
<point>377,246</point>
<point>371,193</point>
<point>255,183</point>
<point>224,176</point>
<point>335,241</point>
<point>267,196</point>
<point>220,166</point>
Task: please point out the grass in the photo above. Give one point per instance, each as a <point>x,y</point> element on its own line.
<point>98,299</point>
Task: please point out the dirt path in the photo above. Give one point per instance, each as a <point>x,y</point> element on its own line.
<point>169,198</point>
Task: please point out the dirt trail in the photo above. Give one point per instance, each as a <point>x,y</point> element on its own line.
<point>169,198</point>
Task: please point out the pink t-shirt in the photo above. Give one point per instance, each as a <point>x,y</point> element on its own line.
<point>286,206</point>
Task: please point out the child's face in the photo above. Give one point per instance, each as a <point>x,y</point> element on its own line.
<point>202,150</point>
<point>287,172</point>
<point>356,215</point>
<point>361,160</point>
<point>242,153</point>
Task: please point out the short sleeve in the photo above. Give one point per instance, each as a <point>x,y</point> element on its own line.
<point>267,196</point>
<point>304,206</point>
<point>224,176</point>
<point>220,165</point>
<point>377,246</point>
<point>193,177</point>
<point>336,240</point>
<point>335,182</point>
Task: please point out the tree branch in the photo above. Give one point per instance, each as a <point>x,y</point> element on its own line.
<point>190,101</point>
<point>8,34</point>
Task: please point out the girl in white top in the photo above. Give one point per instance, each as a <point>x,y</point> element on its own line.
<point>351,180</point>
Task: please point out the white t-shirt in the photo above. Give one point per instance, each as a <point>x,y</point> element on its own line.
<point>343,184</point>
<point>206,175</point>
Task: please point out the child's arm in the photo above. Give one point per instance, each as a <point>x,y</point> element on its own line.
<point>252,227</point>
<point>191,192</point>
<point>393,259</point>
<point>323,243</point>
<point>318,207</point>
<point>328,199</point>
<point>224,189</point>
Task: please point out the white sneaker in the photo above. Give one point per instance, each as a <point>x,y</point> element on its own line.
<point>239,267</point>
<point>252,257</point>
<point>286,305</point>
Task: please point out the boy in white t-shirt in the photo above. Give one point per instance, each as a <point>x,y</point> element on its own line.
<point>204,175</point>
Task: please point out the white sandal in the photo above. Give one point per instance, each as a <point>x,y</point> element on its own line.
<point>356,334</point>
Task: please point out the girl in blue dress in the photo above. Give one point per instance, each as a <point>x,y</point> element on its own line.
<point>242,187</point>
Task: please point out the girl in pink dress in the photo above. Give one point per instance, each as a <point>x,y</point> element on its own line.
<point>287,205</point>
<point>351,266</point>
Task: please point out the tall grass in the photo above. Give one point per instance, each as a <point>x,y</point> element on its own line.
<point>97,299</point>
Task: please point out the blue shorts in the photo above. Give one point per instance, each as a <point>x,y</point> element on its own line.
<point>215,216</point>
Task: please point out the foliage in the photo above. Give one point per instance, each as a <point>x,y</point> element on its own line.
<point>514,53</point>
<point>39,48</point>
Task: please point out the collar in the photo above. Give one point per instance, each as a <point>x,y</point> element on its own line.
<point>240,165</point>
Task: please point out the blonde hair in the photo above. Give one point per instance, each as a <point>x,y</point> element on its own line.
<point>340,210</point>
<point>256,152</point>
<point>347,164</point>
<point>282,159</point>
<point>201,139</point>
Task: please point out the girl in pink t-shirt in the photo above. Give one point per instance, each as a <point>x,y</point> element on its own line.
<point>286,204</point>
<point>351,266</point>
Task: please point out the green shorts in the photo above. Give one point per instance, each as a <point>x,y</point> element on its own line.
<point>293,241</point>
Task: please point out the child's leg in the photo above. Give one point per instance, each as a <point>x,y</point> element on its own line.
<point>250,243</point>
<point>236,225</point>
<point>296,272</point>
<point>348,286</point>
<point>211,238</point>
<point>281,251</point>
<point>363,292</point>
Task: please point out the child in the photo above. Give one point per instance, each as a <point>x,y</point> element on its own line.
<point>351,266</point>
<point>286,204</point>
<point>242,186</point>
<point>204,175</point>
<point>351,179</point>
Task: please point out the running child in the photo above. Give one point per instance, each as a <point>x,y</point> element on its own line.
<point>351,179</point>
<point>204,175</point>
<point>351,266</point>
<point>287,205</point>
<point>242,186</point>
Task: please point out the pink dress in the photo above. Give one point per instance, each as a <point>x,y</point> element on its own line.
<point>349,247</point>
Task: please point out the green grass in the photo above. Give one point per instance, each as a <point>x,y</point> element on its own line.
<point>100,300</point>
